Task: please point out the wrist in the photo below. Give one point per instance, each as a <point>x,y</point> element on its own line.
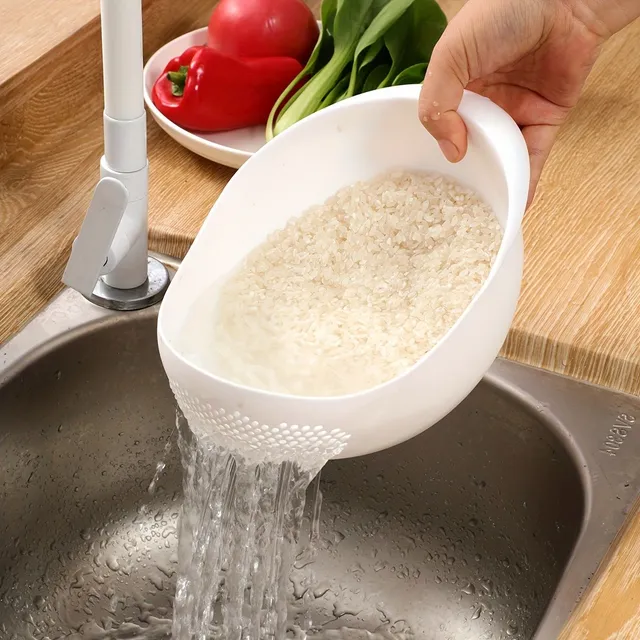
<point>605,17</point>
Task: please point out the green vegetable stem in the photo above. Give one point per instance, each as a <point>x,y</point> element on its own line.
<point>178,79</point>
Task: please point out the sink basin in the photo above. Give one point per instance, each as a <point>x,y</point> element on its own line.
<point>488,525</point>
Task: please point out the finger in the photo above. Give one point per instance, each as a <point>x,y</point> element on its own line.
<point>539,139</point>
<point>441,94</point>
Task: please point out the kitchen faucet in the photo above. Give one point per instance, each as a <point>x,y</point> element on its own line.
<point>109,262</point>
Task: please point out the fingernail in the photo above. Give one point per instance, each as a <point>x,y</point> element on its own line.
<point>450,150</point>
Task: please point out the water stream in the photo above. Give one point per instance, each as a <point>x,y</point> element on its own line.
<point>239,533</point>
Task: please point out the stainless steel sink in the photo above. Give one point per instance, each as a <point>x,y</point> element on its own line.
<point>488,525</point>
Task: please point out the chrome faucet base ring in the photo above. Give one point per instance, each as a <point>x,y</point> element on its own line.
<point>146,295</point>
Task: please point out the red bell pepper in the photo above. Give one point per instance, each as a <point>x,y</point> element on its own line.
<point>205,90</point>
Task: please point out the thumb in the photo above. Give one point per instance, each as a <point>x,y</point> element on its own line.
<point>442,90</point>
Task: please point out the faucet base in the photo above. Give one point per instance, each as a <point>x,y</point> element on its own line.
<point>146,295</point>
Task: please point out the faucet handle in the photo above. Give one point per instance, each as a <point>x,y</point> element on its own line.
<point>91,248</point>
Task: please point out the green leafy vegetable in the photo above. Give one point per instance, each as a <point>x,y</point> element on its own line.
<point>428,23</point>
<point>372,53</point>
<point>411,39</point>
<point>363,67</point>
<point>364,45</point>
<point>411,75</point>
<point>395,41</point>
<point>319,57</point>
<point>387,16</point>
<point>351,19</point>
<point>374,56</point>
<point>336,94</point>
<point>377,75</point>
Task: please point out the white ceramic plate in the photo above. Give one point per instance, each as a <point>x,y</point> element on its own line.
<point>231,148</point>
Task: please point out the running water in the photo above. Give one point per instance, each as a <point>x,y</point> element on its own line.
<point>239,530</point>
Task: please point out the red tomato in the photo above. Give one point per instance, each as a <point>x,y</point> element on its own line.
<point>263,29</point>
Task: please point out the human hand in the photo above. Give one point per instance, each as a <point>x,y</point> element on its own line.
<point>531,57</point>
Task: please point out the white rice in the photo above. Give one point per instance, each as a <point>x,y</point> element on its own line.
<point>355,291</point>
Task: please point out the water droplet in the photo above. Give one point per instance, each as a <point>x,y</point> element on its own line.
<point>469,589</point>
<point>340,609</point>
<point>112,563</point>
<point>438,579</point>
<point>410,542</point>
<point>320,590</point>
<point>487,587</point>
<point>78,581</point>
<point>380,565</point>
<point>400,628</point>
<point>156,581</point>
<point>512,628</point>
<point>338,537</point>
<point>385,618</point>
<point>477,613</point>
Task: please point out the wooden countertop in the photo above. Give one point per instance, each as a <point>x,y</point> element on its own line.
<point>578,313</point>
<point>29,30</point>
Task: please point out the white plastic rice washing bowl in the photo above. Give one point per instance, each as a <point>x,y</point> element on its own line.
<point>353,140</point>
